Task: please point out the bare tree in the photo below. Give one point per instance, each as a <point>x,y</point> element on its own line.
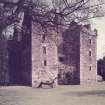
<point>56,13</point>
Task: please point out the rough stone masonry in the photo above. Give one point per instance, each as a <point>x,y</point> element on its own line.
<point>73,61</point>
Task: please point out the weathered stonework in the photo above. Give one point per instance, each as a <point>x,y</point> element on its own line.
<point>88,62</point>
<point>73,60</point>
<point>44,57</point>
<point>4,71</point>
<point>70,56</point>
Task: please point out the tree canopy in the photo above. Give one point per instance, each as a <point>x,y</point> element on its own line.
<point>53,13</point>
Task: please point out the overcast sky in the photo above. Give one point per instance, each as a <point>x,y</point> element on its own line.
<point>99,24</point>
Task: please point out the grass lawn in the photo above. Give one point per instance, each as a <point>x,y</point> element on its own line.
<point>93,94</point>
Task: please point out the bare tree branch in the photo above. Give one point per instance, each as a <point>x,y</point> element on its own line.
<point>59,13</point>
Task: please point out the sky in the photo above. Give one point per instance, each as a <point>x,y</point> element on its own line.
<point>99,24</point>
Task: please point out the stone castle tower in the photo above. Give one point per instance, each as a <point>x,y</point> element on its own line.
<point>79,55</point>
<point>73,60</point>
<point>26,58</point>
<point>44,56</point>
<point>30,59</point>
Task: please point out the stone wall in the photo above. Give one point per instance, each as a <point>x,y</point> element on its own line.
<point>78,55</point>
<point>71,53</point>
<point>88,63</point>
<point>4,70</point>
<point>44,57</point>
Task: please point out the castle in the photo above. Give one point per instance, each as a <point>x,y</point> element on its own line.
<point>28,59</point>
<point>75,55</point>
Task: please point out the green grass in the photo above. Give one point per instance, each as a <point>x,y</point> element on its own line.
<point>93,94</point>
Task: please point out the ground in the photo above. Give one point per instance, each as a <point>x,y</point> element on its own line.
<point>91,94</point>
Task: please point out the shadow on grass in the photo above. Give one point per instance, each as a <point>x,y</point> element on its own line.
<point>87,93</point>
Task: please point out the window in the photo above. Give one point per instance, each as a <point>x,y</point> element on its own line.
<point>89,53</point>
<point>45,63</point>
<point>61,59</point>
<point>90,68</point>
<point>43,37</point>
<point>44,50</point>
<point>90,41</point>
<point>59,75</point>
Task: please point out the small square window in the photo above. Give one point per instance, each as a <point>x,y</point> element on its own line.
<point>61,59</point>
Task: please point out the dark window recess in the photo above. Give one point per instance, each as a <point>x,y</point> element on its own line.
<point>43,37</point>
<point>45,63</point>
<point>59,75</point>
<point>90,68</point>
<point>61,59</point>
<point>90,41</point>
<point>44,49</point>
<point>89,53</point>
